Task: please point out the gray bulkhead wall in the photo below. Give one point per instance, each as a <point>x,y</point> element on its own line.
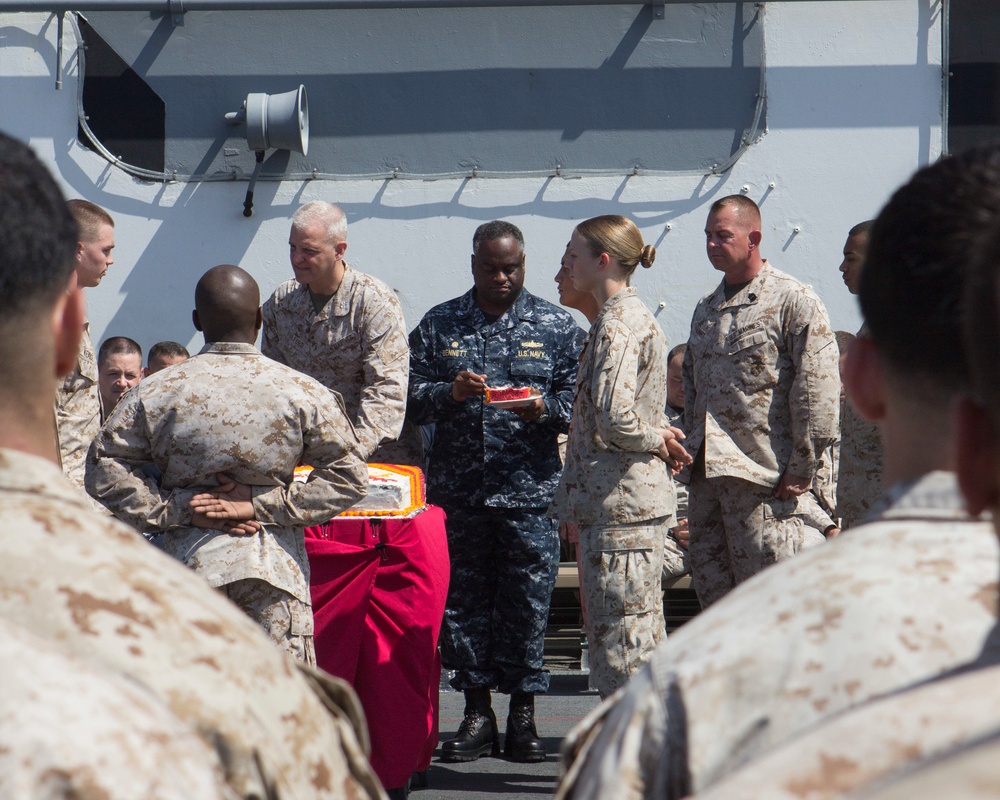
<point>452,91</point>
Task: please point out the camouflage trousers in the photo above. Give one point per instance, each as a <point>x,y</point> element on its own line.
<point>287,620</point>
<point>621,569</point>
<point>504,563</point>
<point>737,529</point>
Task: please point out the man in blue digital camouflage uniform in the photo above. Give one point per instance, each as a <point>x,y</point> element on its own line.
<point>494,471</point>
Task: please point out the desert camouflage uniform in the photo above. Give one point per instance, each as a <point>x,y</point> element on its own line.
<point>968,771</point>
<point>675,560</point>
<point>495,475</point>
<point>78,414</point>
<point>70,728</point>
<point>356,346</point>
<point>231,410</point>
<point>866,746</point>
<point>617,489</point>
<point>859,480</point>
<point>100,591</point>
<point>895,602</point>
<point>761,399</point>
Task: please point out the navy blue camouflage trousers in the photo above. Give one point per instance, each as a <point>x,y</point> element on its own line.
<point>504,563</point>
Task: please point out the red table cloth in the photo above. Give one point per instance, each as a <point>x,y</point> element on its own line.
<point>378,591</point>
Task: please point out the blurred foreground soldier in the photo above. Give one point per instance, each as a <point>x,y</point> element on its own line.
<point>74,729</point>
<point>78,401</point>
<point>342,327</point>
<point>98,592</point>
<point>119,368</point>
<point>761,388</point>
<point>859,480</point>
<point>853,753</point>
<point>808,638</point>
<point>200,427</point>
<point>165,354</point>
<point>494,471</point>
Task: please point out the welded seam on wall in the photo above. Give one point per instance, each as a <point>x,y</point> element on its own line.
<point>751,137</point>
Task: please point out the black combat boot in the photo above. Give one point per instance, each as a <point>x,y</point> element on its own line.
<point>521,742</point>
<point>477,735</point>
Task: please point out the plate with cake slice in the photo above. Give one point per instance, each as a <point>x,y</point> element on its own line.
<point>512,396</point>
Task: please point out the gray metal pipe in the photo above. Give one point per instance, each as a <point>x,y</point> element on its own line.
<point>168,7</point>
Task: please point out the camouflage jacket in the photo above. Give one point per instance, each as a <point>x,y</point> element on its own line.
<point>356,346</point>
<point>71,727</point>
<point>102,592</point>
<point>229,410</point>
<point>872,743</point>
<point>612,475</point>
<point>761,381</point>
<point>859,480</point>
<point>894,602</point>
<point>481,455</point>
<point>78,412</point>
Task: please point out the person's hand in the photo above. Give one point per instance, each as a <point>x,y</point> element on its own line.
<point>792,486</point>
<point>532,412</point>
<point>232,527</point>
<point>230,500</point>
<point>468,384</point>
<point>671,450</point>
<point>832,532</point>
<point>682,534</point>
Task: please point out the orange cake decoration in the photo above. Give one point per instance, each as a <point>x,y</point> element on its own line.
<point>394,490</point>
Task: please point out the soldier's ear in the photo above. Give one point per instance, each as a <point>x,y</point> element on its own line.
<point>67,321</point>
<point>755,237</point>
<point>196,321</point>
<point>976,456</point>
<point>864,379</point>
<point>259,321</point>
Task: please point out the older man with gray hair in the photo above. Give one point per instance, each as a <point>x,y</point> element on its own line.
<point>342,327</point>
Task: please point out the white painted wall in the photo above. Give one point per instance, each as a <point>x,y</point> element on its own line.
<point>854,107</point>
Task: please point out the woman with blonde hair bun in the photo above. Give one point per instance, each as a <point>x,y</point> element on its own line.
<point>616,483</point>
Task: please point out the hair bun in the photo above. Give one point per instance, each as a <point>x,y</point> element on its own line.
<point>648,256</point>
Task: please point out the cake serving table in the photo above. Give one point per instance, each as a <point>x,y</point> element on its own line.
<point>378,591</point>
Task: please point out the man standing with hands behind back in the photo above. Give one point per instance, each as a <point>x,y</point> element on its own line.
<point>494,470</point>
<point>762,395</point>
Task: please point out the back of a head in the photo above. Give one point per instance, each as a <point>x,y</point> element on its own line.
<point>227,300</point>
<point>118,346</point>
<point>917,263</point>
<point>844,340</point>
<point>37,236</point>
<point>89,218</point>
<point>497,229</point>
<point>620,238</point>
<point>981,323</point>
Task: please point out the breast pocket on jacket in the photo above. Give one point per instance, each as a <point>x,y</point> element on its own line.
<point>536,372</point>
<point>755,362</point>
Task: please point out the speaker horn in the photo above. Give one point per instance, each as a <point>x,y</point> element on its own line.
<point>275,121</point>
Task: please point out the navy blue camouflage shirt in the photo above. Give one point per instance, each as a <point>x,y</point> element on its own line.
<point>486,456</point>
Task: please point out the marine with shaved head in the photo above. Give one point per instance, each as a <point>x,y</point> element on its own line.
<point>226,430</point>
<point>762,397</point>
